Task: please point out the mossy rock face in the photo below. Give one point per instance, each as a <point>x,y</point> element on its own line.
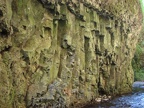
<point>58,53</point>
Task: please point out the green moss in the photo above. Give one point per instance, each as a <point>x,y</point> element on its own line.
<point>9,11</point>
<point>139,76</point>
<point>121,7</point>
<point>12,97</point>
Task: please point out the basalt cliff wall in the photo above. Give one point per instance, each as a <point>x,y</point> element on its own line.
<point>62,53</point>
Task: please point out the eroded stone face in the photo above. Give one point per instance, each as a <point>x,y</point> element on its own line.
<point>63,53</point>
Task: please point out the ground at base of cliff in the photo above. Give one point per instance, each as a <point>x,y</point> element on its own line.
<point>132,100</point>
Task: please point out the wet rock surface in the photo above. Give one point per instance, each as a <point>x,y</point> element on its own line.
<point>138,84</point>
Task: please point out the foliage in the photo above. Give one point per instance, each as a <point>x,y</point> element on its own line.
<point>136,59</point>
<point>139,76</point>
<point>137,62</point>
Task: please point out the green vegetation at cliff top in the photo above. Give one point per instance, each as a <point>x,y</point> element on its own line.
<point>137,61</point>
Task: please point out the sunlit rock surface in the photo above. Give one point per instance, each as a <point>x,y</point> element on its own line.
<point>63,53</point>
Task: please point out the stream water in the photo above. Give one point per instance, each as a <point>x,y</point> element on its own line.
<point>133,100</point>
